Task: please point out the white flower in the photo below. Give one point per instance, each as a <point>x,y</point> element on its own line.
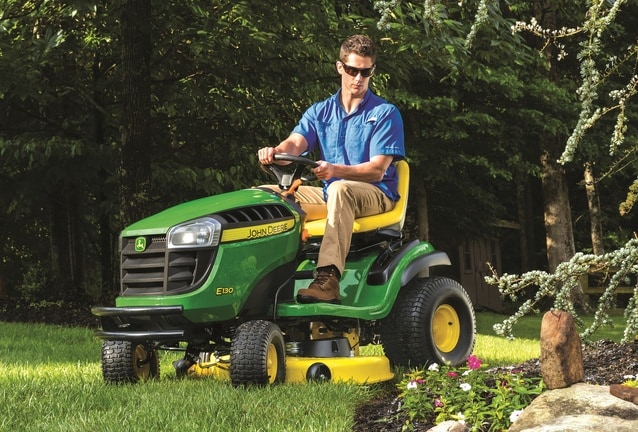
<point>433,367</point>
<point>467,372</point>
<point>412,385</point>
<point>629,377</point>
<point>465,386</point>
<point>515,415</point>
<point>460,417</point>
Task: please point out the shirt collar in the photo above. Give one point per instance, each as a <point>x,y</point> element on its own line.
<point>365,98</point>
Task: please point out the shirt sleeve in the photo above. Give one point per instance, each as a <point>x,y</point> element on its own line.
<point>388,138</point>
<point>307,127</point>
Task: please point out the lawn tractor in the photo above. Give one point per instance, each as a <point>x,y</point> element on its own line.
<point>216,278</point>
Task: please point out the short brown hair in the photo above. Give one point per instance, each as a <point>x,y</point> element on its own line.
<point>360,45</point>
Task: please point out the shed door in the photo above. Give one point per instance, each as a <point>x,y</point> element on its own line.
<point>475,254</point>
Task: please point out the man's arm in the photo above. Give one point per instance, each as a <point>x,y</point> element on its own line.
<point>294,145</point>
<point>370,172</point>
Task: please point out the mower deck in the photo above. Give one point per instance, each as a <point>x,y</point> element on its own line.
<point>357,370</point>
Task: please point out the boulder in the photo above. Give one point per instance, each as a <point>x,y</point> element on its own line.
<point>624,392</point>
<point>561,354</point>
<point>580,407</point>
<point>449,426</point>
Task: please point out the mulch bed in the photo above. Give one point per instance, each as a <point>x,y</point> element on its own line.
<point>605,362</point>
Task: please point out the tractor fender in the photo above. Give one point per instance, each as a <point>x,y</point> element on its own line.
<point>423,262</point>
<point>417,254</point>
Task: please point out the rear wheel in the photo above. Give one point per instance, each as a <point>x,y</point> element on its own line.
<point>432,321</point>
<point>128,362</point>
<point>257,355</point>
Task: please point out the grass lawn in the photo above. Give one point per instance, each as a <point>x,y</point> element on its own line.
<point>50,380</point>
<point>497,351</point>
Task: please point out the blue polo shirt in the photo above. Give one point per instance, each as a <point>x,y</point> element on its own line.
<point>374,128</point>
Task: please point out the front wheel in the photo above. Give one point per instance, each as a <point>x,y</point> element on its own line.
<point>432,321</point>
<point>257,354</point>
<point>128,362</point>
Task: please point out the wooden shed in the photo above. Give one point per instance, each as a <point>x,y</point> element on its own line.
<point>474,254</point>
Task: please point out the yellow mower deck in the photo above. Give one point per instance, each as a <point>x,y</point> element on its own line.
<point>358,369</point>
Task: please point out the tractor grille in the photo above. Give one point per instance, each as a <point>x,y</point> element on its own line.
<point>259,213</point>
<point>160,271</point>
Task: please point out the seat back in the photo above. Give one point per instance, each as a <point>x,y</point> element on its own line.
<point>392,219</point>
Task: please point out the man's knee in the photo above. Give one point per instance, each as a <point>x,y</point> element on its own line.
<point>340,190</point>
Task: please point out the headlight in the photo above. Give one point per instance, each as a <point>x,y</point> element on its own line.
<point>202,232</point>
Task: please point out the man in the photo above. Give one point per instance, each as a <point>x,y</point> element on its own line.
<point>359,135</point>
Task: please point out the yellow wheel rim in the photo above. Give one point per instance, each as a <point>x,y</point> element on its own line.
<point>446,328</point>
<point>272,363</point>
<point>141,364</point>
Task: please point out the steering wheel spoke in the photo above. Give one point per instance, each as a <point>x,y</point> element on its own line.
<point>287,174</point>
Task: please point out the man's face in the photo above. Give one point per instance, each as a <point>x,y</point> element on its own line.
<point>352,72</point>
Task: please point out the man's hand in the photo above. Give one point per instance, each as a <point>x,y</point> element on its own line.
<point>370,172</point>
<point>325,170</point>
<point>266,155</point>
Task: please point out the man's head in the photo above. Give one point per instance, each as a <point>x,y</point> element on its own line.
<point>356,64</point>
<point>360,45</point>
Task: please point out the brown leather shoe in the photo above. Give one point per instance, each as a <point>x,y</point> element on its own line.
<point>324,289</point>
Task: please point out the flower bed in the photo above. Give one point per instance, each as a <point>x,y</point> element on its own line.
<point>484,401</point>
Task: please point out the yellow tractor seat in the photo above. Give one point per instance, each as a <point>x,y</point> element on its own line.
<point>392,219</point>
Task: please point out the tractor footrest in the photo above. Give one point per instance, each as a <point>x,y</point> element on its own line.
<point>140,335</point>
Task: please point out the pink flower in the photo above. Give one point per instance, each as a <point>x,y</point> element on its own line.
<point>474,362</point>
<point>452,374</point>
<point>438,403</point>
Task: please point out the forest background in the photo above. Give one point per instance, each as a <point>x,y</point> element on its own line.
<point>113,110</point>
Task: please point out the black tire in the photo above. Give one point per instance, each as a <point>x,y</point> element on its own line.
<point>432,321</point>
<point>257,354</point>
<point>128,362</point>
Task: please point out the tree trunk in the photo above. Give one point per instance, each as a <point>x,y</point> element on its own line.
<point>559,234</point>
<point>66,248</point>
<point>525,227</point>
<point>135,171</point>
<point>106,235</point>
<point>422,210</point>
<point>593,202</point>
<point>422,215</point>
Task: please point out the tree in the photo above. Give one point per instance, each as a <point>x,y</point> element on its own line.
<point>622,262</point>
<point>223,78</point>
<point>49,165</point>
<point>135,165</point>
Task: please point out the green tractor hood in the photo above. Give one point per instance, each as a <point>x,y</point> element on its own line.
<point>160,223</point>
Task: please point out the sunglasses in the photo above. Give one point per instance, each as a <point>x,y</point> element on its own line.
<point>353,71</point>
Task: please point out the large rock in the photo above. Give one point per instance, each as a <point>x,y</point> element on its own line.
<point>449,426</point>
<point>624,392</point>
<point>578,408</point>
<point>561,354</point>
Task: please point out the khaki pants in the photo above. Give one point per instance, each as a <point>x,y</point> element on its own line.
<point>347,200</point>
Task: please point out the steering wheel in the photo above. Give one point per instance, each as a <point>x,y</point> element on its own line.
<point>287,174</point>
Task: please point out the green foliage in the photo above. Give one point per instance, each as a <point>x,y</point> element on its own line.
<point>483,400</point>
<point>231,76</point>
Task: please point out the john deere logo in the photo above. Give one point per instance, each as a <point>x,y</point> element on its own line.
<point>140,244</point>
